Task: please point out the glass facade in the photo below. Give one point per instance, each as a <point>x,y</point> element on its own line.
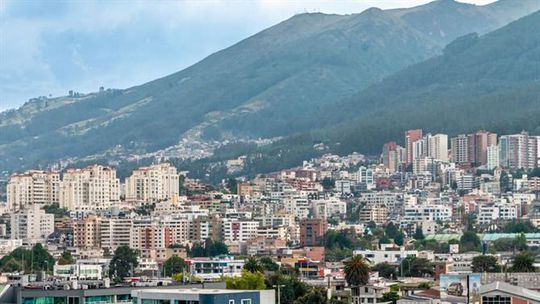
<point>98,299</point>
<point>45,300</point>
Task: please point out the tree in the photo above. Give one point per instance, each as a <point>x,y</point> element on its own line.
<point>485,263</point>
<point>469,241</point>
<point>419,234</point>
<point>56,210</point>
<point>504,244</point>
<point>41,259</point>
<point>399,239</point>
<point>356,271</point>
<point>210,249</point>
<point>252,264</point>
<point>292,288</point>
<point>21,259</point>
<point>247,281</point>
<point>523,262</point>
<point>232,185</point>
<point>384,240</point>
<point>521,226</point>
<point>66,258</point>
<point>269,264</point>
<point>174,265</point>
<point>385,270</point>
<point>390,296</point>
<point>417,267</point>
<point>520,242</point>
<point>123,262</point>
<point>314,296</point>
<point>391,230</point>
<point>328,183</point>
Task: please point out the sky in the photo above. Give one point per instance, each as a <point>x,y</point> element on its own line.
<point>51,47</point>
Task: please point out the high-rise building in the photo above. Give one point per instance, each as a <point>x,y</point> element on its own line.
<point>518,151</point>
<point>477,147</point>
<point>437,146</point>
<point>31,224</point>
<point>154,183</point>
<point>493,157</point>
<point>471,149</point>
<point>390,157</point>
<point>460,149</point>
<point>420,148</point>
<point>312,231</point>
<point>32,187</point>
<point>92,188</point>
<point>410,137</point>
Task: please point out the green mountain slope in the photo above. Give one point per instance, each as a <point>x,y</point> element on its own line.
<point>272,84</point>
<point>491,82</point>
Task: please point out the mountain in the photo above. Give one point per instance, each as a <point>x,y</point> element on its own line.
<point>490,82</point>
<point>274,83</point>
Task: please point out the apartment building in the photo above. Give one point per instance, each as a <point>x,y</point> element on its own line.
<point>115,232</point>
<point>497,211</point>
<point>427,213</point>
<point>31,224</point>
<point>518,151</point>
<point>239,230</point>
<point>154,183</point>
<point>460,149</point>
<point>32,187</point>
<point>88,189</point>
<point>312,231</point>
<point>87,232</point>
<point>381,199</point>
<point>378,215</point>
<point>393,156</point>
<point>411,136</point>
<point>328,208</point>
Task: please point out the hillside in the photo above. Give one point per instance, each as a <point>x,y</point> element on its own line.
<point>274,83</point>
<point>490,82</point>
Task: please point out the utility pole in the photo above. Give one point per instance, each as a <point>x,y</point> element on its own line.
<point>278,292</point>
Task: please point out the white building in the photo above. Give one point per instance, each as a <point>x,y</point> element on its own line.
<point>427,213</point>
<point>328,208</point>
<point>493,157</point>
<point>438,146</point>
<point>236,230</point>
<point>213,269</point>
<point>92,188</point>
<point>78,271</point>
<point>115,232</point>
<point>388,254</point>
<point>518,151</point>
<point>366,177</point>
<point>154,183</point>
<point>32,187</point>
<point>494,211</point>
<point>31,224</point>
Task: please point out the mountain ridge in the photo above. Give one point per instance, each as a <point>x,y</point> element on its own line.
<point>270,84</point>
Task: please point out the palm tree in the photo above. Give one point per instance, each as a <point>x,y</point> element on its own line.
<point>253,265</point>
<point>356,271</point>
<point>523,262</point>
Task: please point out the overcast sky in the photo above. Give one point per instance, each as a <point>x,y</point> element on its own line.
<point>49,47</point>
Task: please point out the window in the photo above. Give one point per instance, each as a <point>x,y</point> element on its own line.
<point>231,301</point>
<point>246,301</point>
<point>496,300</point>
